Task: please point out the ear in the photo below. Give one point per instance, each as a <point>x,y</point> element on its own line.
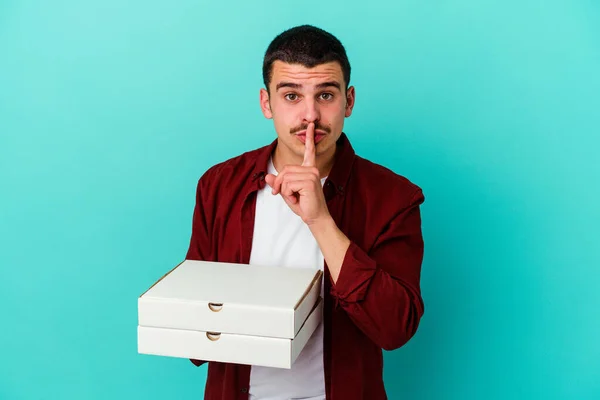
<point>265,105</point>
<point>350,97</point>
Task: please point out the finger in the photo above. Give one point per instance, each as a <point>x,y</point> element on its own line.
<point>299,187</point>
<point>290,200</point>
<point>293,169</point>
<point>310,157</point>
<point>300,176</point>
<point>272,182</point>
<point>277,182</point>
<point>280,178</point>
<point>270,179</point>
<point>308,179</point>
<point>293,172</point>
<point>290,196</point>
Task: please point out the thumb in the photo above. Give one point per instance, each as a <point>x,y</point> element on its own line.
<point>270,179</point>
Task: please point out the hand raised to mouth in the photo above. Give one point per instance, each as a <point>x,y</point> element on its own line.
<point>300,186</point>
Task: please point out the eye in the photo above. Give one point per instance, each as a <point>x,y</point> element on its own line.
<point>291,96</point>
<point>326,96</point>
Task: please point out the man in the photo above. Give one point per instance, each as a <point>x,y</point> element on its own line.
<point>308,201</point>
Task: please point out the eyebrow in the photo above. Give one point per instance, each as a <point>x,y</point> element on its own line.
<point>298,86</point>
<point>328,84</point>
<point>287,84</point>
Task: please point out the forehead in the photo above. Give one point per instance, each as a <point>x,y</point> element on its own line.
<point>298,73</point>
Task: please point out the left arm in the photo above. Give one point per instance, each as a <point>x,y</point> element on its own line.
<point>379,291</point>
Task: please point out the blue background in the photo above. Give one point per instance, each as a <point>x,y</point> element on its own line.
<point>110,111</point>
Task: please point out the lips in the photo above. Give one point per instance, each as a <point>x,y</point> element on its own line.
<point>318,137</point>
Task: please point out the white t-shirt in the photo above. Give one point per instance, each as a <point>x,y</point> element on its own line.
<point>282,239</point>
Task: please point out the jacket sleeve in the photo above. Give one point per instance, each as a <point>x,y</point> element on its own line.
<point>380,291</point>
<point>199,248</point>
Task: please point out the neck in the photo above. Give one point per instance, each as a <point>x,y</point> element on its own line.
<point>282,156</point>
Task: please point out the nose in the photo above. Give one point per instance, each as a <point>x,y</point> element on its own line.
<point>311,111</point>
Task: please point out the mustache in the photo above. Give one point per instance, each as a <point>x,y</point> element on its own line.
<point>304,127</point>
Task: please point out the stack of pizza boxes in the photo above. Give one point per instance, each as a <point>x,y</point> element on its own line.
<point>232,313</point>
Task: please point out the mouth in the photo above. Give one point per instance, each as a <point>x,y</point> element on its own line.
<point>318,136</point>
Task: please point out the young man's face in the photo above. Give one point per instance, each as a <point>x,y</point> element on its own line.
<point>299,95</point>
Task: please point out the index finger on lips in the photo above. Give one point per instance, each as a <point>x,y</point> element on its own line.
<point>310,156</point>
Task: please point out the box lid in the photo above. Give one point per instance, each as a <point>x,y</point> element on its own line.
<point>231,298</point>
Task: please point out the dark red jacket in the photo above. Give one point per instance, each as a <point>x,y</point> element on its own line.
<point>376,303</point>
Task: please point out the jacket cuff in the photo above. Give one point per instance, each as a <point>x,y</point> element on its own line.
<point>355,275</point>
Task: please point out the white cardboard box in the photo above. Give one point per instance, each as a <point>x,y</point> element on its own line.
<point>228,347</point>
<point>231,313</point>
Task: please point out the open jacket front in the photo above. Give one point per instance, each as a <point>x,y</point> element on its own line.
<point>376,303</point>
